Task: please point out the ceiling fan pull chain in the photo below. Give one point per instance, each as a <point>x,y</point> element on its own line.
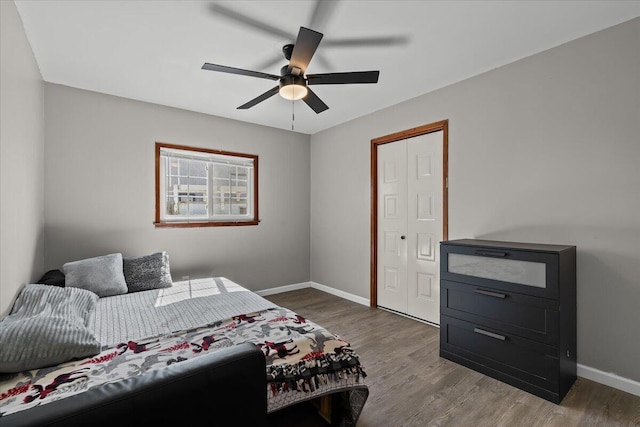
<point>293,115</point>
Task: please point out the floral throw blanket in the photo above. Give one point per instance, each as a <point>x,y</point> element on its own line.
<point>301,356</point>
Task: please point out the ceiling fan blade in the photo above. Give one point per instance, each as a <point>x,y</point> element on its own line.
<point>268,94</point>
<point>232,70</point>
<point>268,63</point>
<point>304,48</point>
<point>323,61</point>
<point>343,78</point>
<point>321,13</point>
<point>314,102</point>
<point>366,41</point>
<point>247,20</point>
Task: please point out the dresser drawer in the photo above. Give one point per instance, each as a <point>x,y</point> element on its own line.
<point>512,357</point>
<point>524,272</point>
<point>526,316</point>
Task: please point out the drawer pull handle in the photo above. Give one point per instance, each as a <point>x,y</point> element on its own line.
<point>489,334</point>
<point>491,253</point>
<point>490,294</point>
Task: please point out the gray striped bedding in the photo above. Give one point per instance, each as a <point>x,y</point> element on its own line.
<point>185,305</point>
<point>47,326</point>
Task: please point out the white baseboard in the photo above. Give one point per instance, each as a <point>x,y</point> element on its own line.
<point>286,288</point>
<point>327,289</point>
<point>606,378</point>
<point>341,294</point>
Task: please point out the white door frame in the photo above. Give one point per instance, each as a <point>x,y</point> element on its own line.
<point>397,136</point>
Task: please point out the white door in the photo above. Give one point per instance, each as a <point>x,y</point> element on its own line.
<point>392,226</point>
<point>410,225</point>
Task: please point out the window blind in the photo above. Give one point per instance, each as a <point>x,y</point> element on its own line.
<point>207,157</point>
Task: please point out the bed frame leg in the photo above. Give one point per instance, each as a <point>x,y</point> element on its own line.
<point>323,406</point>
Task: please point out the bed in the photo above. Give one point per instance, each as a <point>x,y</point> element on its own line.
<point>190,323</point>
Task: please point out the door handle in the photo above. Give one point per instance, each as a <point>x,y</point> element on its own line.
<point>489,334</point>
<point>403,237</point>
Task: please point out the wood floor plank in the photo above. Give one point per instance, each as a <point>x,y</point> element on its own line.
<point>410,385</point>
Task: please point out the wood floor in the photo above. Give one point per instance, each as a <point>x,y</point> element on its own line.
<point>411,385</point>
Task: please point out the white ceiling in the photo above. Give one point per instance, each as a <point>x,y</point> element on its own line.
<point>153,50</point>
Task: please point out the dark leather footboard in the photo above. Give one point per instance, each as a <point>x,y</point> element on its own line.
<point>229,383</point>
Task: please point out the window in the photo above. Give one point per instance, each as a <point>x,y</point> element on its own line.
<point>197,187</point>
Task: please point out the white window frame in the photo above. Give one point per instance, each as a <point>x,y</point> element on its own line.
<point>238,193</point>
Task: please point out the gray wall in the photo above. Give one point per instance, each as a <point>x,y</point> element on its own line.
<point>21,159</point>
<point>99,186</point>
<point>546,149</point>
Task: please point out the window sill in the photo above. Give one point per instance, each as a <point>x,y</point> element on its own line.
<point>192,224</point>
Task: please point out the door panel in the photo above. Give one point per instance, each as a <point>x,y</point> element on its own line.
<point>427,247</point>
<point>424,205</point>
<point>426,287</point>
<point>392,220</point>
<point>424,225</point>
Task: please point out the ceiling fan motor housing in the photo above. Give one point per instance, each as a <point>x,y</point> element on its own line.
<point>289,70</point>
<point>292,80</point>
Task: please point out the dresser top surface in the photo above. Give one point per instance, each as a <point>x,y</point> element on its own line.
<point>540,247</point>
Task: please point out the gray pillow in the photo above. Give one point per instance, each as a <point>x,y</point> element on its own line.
<point>47,326</point>
<point>101,275</point>
<point>146,272</point>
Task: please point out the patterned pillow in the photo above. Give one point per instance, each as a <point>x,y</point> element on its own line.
<point>101,275</point>
<point>143,273</point>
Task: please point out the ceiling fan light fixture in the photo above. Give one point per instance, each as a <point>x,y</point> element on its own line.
<point>293,92</point>
<point>293,88</point>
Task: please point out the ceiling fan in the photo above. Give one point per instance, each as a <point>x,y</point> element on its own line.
<point>293,82</point>
<point>322,12</point>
